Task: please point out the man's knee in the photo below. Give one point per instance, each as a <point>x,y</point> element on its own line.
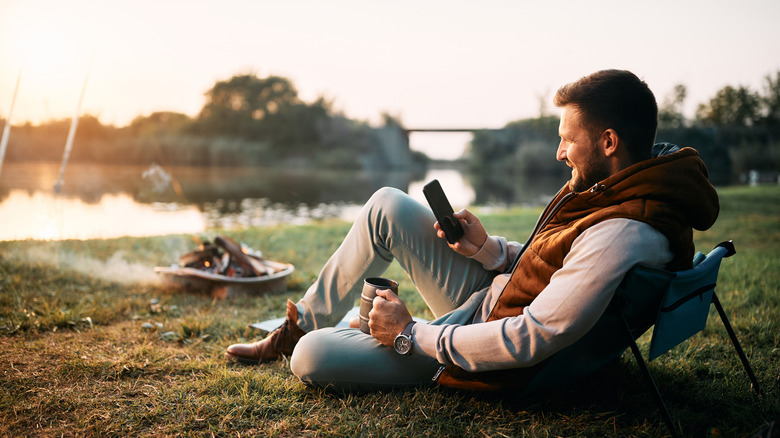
<point>349,360</point>
<point>327,354</point>
<point>389,205</point>
<point>309,354</point>
<point>387,199</point>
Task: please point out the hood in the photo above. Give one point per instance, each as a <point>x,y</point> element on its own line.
<point>678,179</point>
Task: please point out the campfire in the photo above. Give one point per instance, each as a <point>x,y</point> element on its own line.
<point>225,268</point>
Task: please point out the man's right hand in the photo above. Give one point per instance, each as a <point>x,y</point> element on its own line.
<point>474,234</point>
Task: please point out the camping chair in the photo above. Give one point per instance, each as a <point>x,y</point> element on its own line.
<point>682,312</point>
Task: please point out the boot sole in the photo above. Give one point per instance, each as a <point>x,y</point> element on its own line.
<point>242,360</point>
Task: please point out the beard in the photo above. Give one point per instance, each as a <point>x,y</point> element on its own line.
<point>589,173</point>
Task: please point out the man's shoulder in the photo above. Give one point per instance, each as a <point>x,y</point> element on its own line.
<point>623,228</point>
<point>628,238</point>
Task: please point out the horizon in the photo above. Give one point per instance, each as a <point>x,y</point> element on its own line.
<point>438,64</point>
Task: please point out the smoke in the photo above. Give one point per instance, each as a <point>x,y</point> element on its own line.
<point>117,268</point>
<point>158,179</point>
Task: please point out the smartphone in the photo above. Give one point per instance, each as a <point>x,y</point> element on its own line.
<point>443,211</point>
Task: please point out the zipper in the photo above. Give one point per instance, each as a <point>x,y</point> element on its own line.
<point>438,373</point>
<point>597,188</point>
<point>548,214</point>
<point>544,219</point>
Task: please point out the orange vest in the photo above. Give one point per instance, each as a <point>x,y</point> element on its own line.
<point>670,193</point>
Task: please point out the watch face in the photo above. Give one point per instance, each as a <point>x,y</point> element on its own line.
<point>403,344</point>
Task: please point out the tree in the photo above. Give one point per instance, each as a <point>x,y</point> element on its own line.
<point>240,105</point>
<point>157,123</point>
<point>771,101</point>
<point>295,128</point>
<point>670,113</point>
<point>265,111</point>
<point>501,147</point>
<point>731,107</point>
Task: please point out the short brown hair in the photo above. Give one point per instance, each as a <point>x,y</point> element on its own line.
<point>615,99</point>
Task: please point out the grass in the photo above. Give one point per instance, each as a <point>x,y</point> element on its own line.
<point>90,344</point>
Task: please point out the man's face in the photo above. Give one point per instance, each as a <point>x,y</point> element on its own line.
<point>588,164</point>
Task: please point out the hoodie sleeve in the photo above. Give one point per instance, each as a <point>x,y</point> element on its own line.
<point>497,254</point>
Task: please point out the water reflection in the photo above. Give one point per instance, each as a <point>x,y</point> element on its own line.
<point>111,201</point>
<point>48,216</point>
<point>507,189</point>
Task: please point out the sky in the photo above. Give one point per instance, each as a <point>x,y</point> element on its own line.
<point>433,64</point>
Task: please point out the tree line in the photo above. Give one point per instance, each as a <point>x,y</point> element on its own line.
<point>736,131</point>
<point>261,121</point>
<point>246,120</point>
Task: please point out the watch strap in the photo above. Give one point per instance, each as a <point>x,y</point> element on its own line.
<point>403,343</point>
<point>408,329</point>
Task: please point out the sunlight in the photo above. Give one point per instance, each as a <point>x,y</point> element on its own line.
<point>441,145</point>
<point>458,191</point>
<point>46,49</point>
<point>41,42</point>
<point>48,230</point>
<point>48,217</point>
<point>49,50</point>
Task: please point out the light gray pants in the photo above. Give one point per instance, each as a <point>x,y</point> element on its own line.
<point>391,226</point>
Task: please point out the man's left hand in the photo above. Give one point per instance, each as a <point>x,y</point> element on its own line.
<point>388,317</point>
<point>474,233</point>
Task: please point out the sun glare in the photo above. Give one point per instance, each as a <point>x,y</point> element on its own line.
<point>39,37</point>
<point>46,49</point>
<point>50,49</point>
<point>46,216</point>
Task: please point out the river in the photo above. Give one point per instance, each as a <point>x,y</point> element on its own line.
<point>111,201</point>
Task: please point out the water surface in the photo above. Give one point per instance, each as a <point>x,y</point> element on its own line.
<point>111,201</point>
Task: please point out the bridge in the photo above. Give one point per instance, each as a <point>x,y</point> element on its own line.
<point>407,131</point>
<point>394,141</point>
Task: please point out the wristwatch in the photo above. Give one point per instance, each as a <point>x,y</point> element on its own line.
<point>403,342</point>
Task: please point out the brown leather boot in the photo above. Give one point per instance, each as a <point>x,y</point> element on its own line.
<point>279,342</point>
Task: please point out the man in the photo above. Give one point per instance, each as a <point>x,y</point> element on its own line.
<point>503,309</point>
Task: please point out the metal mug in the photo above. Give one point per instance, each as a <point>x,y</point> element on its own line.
<point>370,286</point>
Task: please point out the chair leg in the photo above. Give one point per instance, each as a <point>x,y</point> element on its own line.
<point>643,366</point>
<point>735,341</point>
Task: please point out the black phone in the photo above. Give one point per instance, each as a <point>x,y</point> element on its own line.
<point>443,211</point>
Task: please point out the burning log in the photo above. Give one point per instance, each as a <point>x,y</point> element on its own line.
<point>236,261</point>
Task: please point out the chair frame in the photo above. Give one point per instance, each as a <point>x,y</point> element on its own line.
<point>729,251</point>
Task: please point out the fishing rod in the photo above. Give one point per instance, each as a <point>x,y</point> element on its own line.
<point>7,128</point>
<point>74,123</point>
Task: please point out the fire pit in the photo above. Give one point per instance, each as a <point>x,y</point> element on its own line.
<point>225,269</point>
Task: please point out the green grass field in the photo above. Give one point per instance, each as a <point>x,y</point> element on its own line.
<point>91,344</point>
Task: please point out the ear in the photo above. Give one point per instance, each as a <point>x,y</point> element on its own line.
<point>610,142</point>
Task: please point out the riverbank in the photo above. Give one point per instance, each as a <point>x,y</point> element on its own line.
<point>91,344</point>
